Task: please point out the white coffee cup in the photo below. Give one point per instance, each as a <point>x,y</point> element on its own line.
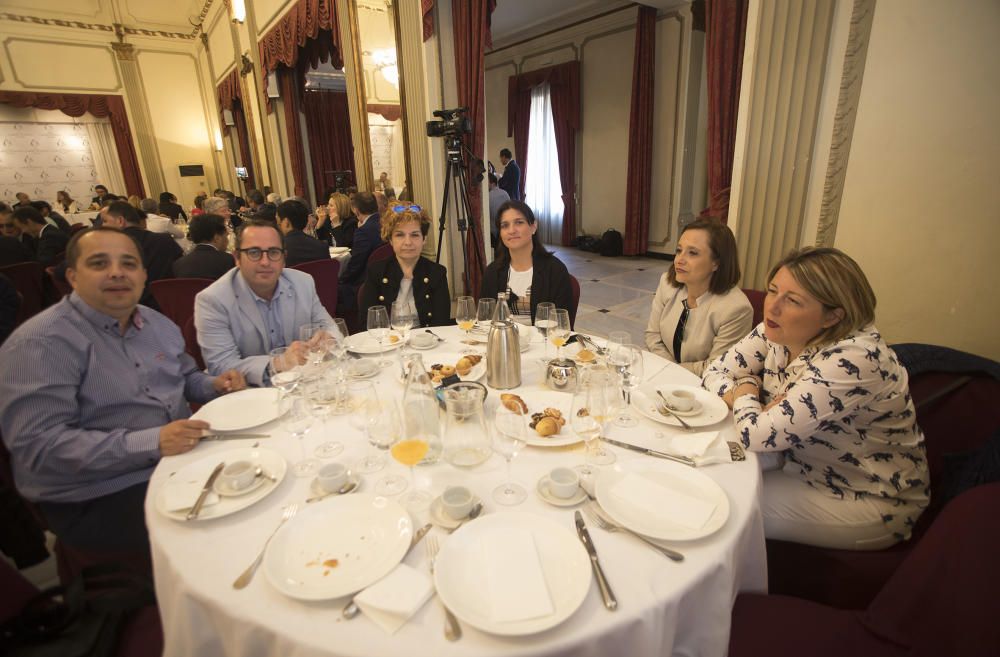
<point>332,477</point>
<point>238,475</point>
<point>457,502</point>
<point>680,400</point>
<point>564,483</point>
<point>422,340</point>
<point>362,367</point>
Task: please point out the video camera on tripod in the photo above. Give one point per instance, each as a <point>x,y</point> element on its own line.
<point>453,123</point>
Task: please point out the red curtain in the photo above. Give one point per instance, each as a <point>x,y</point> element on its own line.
<point>725,36</point>
<point>328,127</point>
<point>472,36</point>
<point>77,105</point>
<point>288,82</point>
<point>295,29</point>
<point>229,93</point>
<point>426,9</point>
<point>640,135</point>
<point>564,88</point>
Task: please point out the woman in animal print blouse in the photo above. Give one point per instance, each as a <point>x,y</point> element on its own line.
<point>816,383</point>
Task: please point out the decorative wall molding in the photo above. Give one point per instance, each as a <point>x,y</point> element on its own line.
<point>843,123</point>
<point>17,77</point>
<point>102,27</point>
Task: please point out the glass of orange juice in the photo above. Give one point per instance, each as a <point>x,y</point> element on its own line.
<point>409,451</point>
<point>559,331</point>
<point>465,316</point>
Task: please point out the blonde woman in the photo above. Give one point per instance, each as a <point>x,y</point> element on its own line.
<point>816,383</point>
<point>335,222</point>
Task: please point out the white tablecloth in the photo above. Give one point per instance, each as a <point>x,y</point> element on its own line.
<point>665,608</point>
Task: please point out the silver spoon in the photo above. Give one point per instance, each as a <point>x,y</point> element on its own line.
<point>473,514</point>
<point>259,472</point>
<point>344,490</point>
<point>666,411</point>
<point>439,338</point>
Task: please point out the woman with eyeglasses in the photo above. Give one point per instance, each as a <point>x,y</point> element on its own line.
<point>698,312</point>
<point>335,222</point>
<point>523,268</point>
<point>408,276</point>
<point>816,387</point>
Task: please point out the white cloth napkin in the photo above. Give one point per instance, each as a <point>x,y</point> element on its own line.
<point>392,600</point>
<point>662,502</point>
<point>181,495</point>
<point>705,447</point>
<point>517,588</point>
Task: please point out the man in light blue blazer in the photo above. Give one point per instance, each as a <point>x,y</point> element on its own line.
<point>256,307</point>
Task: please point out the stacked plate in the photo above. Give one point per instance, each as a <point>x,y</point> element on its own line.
<point>708,408</point>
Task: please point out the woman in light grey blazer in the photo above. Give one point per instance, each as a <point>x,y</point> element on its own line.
<point>698,312</point>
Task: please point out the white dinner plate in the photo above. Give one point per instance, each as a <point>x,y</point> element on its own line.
<point>339,547</point>
<point>240,410</point>
<point>196,474</point>
<point>683,480</point>
<point>538,399</point>
<point>338,250</point>
<point>363,343</point>
<point>713,409</point>
<point>450,358</point>
<point>462,579</point>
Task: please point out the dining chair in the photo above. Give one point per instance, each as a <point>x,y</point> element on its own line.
<point>28,279</point>
<point>575,303</point>
<point>940,601</point>
<point>756,298</point>
<point>58,282</point>
<point>175,296</point>
<point>383,252</point>
<point>326,273</point>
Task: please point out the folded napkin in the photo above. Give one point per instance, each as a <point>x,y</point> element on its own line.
<point>517,588</point>
<point>705,447</point>
<point>662,502</point>
<point>392,600</point>
<point>181,495</point>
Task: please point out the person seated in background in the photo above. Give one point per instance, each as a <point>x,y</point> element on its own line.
<point>86,430</point>
<point>170,208</point>
<point>256,307</point>
<point>523,268</point>
<point>158,250</point>
<point>259,208</point>
<point>408,278</point>
<point>51,216</point>
<point>299,247</point>
<point>158,223</point>
<point>698,312</point>
<point>8,228</point>
<point>816,384</point>
<point>51,242</point>
<point>10,302</point>
<point>274,198</point>
<point>336,222</point>
<point>134,201</point>
<point>197,205</point>
<point>367,238</point>
<point>13,251</point>
<point>65,203</point>
<point>220,206</point>
<point>208,258</point>
<point>382,202</point>
<point>23,200</point>
<point>100,196</point>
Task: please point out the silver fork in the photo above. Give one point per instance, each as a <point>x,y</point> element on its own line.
<point>247,574</point>
<point>609,526</point>
<point>452,630</point>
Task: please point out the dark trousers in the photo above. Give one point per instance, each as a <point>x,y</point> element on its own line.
<point>113,523</point>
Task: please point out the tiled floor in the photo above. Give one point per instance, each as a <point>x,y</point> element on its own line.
<point>615,293</point>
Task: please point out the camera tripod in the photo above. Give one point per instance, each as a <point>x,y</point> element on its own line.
<point>455,177</point>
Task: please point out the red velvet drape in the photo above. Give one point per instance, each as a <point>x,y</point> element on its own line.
<point>229,93</point>
<point>295,29</point>
<point>290,86</point>
<point>426,9</point>
<point>472,37</point>
<point>725,36</point>
<point>564,89</point>
<point>77,105</point>
<point>328,127</point>
<point>387,111</point>
<point>640,135</point>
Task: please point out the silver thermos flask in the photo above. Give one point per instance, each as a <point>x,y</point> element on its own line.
<point>503,352</point>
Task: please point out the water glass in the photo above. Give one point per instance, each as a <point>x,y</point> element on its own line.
<point>298,420</point>
<point>509,435</point>
<point>378,327</point>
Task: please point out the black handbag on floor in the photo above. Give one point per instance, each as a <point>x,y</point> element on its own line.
<point>612,244</point>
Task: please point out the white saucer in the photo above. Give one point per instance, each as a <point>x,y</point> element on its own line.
<point>352,478</point>
<point>224,489</point>
<point>543,492</point>
<point>413,345</point>
<point>443,520</point>
<point>694,410</point>
<point>358,377</point>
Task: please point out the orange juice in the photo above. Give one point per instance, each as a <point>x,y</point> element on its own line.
<point>466,325</point>
<point>410,452</point>
<point>558,340</point>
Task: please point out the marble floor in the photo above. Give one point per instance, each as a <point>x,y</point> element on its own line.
<point>615,293</point>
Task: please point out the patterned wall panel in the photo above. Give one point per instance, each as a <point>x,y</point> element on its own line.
<point>42,158</point>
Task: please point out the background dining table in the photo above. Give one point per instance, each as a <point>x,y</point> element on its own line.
<point>664,607</point>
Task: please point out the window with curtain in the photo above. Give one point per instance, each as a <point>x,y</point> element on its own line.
<point>543,189</point>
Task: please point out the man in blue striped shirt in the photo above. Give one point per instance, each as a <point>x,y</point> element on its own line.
<point>93,391</point>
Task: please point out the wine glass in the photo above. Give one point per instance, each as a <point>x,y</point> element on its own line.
<point>298,420</point>
<point>323,395</point>
<point>617,338</point>
<point>384,432</point>
<point>317,339</point>
<point>559,331</point>
<point>338,373</point>
<point>509,429</point>
<point>544,320</point>
<point>365,411</point>
<point>410,451</point>
<point>626,360</point>
<point>587,417</point>
<point>284,376</point>
<point>404,317</point>
<point>378,327</point>
<point>465,317</point>
<point>484,313</point>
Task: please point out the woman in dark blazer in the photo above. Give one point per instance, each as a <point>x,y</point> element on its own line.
<point>523,268</point>
<point>407,274</point>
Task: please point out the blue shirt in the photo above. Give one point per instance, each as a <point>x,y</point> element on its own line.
<point>270,312</point>
<point>81,405</point>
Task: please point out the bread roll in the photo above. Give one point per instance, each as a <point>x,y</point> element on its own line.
<point>513,403</point>
<point>547,426</point>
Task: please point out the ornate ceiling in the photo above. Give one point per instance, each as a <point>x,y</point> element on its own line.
<point>165,18</point>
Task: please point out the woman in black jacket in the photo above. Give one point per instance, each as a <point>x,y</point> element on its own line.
<point>407,274</point>
<point>523,268</point>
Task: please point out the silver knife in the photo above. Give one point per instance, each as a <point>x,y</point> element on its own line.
<point>610,601</point>
<point>351,610</point>
<point>235,436</point>
<point>196,509</point>
<point>651,452</point>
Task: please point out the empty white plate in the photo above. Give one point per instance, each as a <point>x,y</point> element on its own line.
<point>240,410</point>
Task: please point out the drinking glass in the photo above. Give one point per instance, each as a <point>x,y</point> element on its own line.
<point>410,451</point>
<point>404,317</point>
<point>284,376</point>
<point>323,396</point>
<point>298,421</point>
<point>545,319</point>
<point>378,327</point>
<point>588,414</point>
<point>317,339</point>
<point>465,317</point>
<point>384,432</point>
<point>559,331</point>
<point>365,411</point>
<point>626,360</point>
<point>509,431</point>
<point>484,313</point>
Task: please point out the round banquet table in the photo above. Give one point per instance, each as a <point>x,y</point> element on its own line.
<point>664,608</point>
